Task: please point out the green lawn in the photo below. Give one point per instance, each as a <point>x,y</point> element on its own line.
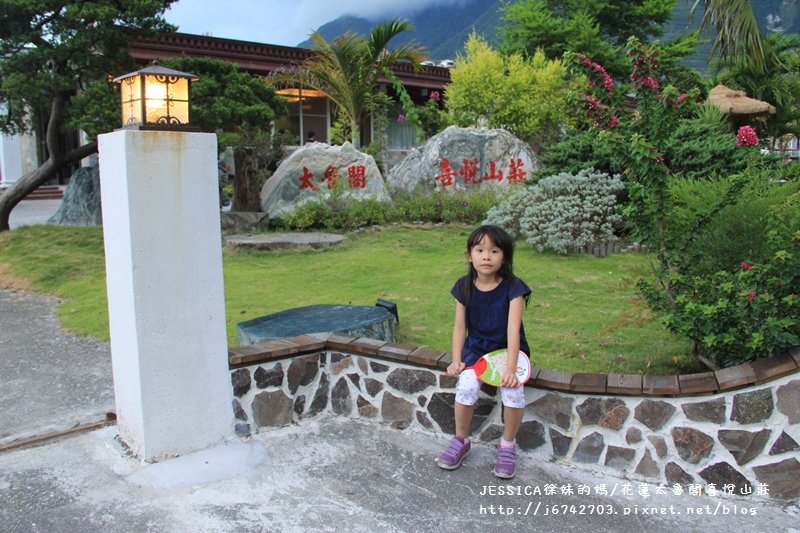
<point>585,314</point>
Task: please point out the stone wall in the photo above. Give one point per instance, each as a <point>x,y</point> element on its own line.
<point>740,437</point>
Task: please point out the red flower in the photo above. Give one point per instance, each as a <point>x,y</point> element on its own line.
<point>746,266</point>
<point>592,101</point>
<point>746,136</point>
<point>597,74</point>
<point>751,296</point>
<point>650,82</point>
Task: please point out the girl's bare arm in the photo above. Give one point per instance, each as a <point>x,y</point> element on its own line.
<point>459,332</point>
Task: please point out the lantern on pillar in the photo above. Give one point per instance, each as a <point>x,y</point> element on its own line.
<point>156,98</point>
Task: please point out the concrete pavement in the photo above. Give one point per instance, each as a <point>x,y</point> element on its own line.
<point>32,212</point>
<point>332,474</point>
<point>51,380</point>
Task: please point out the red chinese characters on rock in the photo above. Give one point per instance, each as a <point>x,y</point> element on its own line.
<point>331,176</point>
<point>469,172</point>
<point>493,174</point>
<point>446,174</point>
<point>305,180</point>
<point>356,178</point>
<point>516,171</point>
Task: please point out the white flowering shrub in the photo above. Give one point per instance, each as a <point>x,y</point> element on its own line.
<point>562,211</point>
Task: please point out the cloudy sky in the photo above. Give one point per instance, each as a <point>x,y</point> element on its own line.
<point>284,22</point>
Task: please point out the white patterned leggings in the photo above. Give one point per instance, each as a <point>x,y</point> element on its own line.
<point>469,386</point>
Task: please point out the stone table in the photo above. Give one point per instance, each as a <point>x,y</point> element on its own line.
<point>353,320</point>
<point>278,241</point>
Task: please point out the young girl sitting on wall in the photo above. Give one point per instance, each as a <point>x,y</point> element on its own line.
<point>489,305</point>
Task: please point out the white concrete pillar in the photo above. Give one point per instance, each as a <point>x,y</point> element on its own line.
<point>161,226</point>
<point>10,160</point>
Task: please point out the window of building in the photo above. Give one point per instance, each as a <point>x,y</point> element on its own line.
<point>308,111</point>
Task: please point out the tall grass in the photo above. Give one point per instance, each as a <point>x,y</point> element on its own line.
<point>584,315</point>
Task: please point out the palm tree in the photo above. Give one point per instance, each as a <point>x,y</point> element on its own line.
<point>347,69</point>
<point>737,31</point>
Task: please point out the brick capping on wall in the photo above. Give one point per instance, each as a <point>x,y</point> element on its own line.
<point>726,379</point>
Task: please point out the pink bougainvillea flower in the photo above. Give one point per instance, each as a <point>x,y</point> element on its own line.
<point>598,72</point>
<point>746,266</point>
<point>435,96</point>
<point>593,102</point>
<point>650,82</point>
<point>401,118</point>
<point>746,136</point>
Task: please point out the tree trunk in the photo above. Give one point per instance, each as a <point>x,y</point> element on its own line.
<point>57,160</point>
<point>536,145</point>
<point>246,184</point>
<point>711,365</point>
<point>355,134</point>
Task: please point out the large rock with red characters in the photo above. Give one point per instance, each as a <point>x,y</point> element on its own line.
<point>316,172</point>
<point>465,158</point>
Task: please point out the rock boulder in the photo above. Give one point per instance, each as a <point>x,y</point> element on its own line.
<point>81,204</point>
<point>465,158</point>
<point>315,171</point>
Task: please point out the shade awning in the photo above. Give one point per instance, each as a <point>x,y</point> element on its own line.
<point>733,102</point>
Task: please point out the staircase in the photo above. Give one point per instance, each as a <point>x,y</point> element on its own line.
<point>47,192</point>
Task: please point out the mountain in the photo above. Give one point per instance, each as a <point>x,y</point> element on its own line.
<point>443,30</point>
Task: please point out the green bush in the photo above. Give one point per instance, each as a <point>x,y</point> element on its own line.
<point>698,149</point>
<point>563,211</point>
<point>468,207</point>
<point>418,207</point>
<point>340,213</point>
<point>735,232</point>
<point>306,216</point>
<point>579,151</point>
<point>697,236</point>
<point>368,212</point>
<point>735,245</point>
<point>735,317</point>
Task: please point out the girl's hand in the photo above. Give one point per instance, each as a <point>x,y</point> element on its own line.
<point>509,380</point>
<point>454,369</point>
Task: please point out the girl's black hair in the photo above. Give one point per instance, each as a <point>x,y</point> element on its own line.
<point>502,240</point>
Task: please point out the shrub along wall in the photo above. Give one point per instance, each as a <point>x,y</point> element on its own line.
<point>735,430</point>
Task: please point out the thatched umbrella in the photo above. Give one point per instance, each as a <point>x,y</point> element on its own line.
<point>738,104</point>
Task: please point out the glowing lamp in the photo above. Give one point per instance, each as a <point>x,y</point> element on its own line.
<point>156,98</point>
